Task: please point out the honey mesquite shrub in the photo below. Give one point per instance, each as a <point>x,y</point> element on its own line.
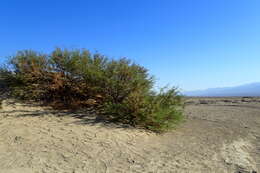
<point>26,75</point>
<point>119,89</point>
<point>154,111</point>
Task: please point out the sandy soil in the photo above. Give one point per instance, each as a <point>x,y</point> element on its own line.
<point>219,135</point>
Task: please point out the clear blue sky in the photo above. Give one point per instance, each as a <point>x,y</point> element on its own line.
<point>186,43</point>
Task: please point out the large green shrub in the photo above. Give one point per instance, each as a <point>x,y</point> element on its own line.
<point>120,89</point>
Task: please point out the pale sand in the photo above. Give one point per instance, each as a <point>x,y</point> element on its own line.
<point>218,136</point>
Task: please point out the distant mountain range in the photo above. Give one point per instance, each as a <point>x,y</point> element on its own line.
<point>252,89</point>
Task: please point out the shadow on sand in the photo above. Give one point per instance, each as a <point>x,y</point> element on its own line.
<point>87,116</point>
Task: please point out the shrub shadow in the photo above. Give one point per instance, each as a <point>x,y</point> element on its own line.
<point>87,116</point>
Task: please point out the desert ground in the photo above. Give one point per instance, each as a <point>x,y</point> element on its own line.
<point>219,135</point>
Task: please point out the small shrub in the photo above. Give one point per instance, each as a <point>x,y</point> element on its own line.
<point>72,79</point>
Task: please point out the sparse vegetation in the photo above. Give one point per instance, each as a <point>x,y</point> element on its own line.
<point>120,89</point>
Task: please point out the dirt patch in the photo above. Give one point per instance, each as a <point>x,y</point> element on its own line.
<point>237,155</point>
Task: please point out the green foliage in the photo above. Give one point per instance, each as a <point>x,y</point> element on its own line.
<point>157,112</point>
<point>120,88</point>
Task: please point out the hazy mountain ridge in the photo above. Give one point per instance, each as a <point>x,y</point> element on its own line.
<point>252,89</point>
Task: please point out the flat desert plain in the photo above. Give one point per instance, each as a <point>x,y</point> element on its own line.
<point>219,135</point>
